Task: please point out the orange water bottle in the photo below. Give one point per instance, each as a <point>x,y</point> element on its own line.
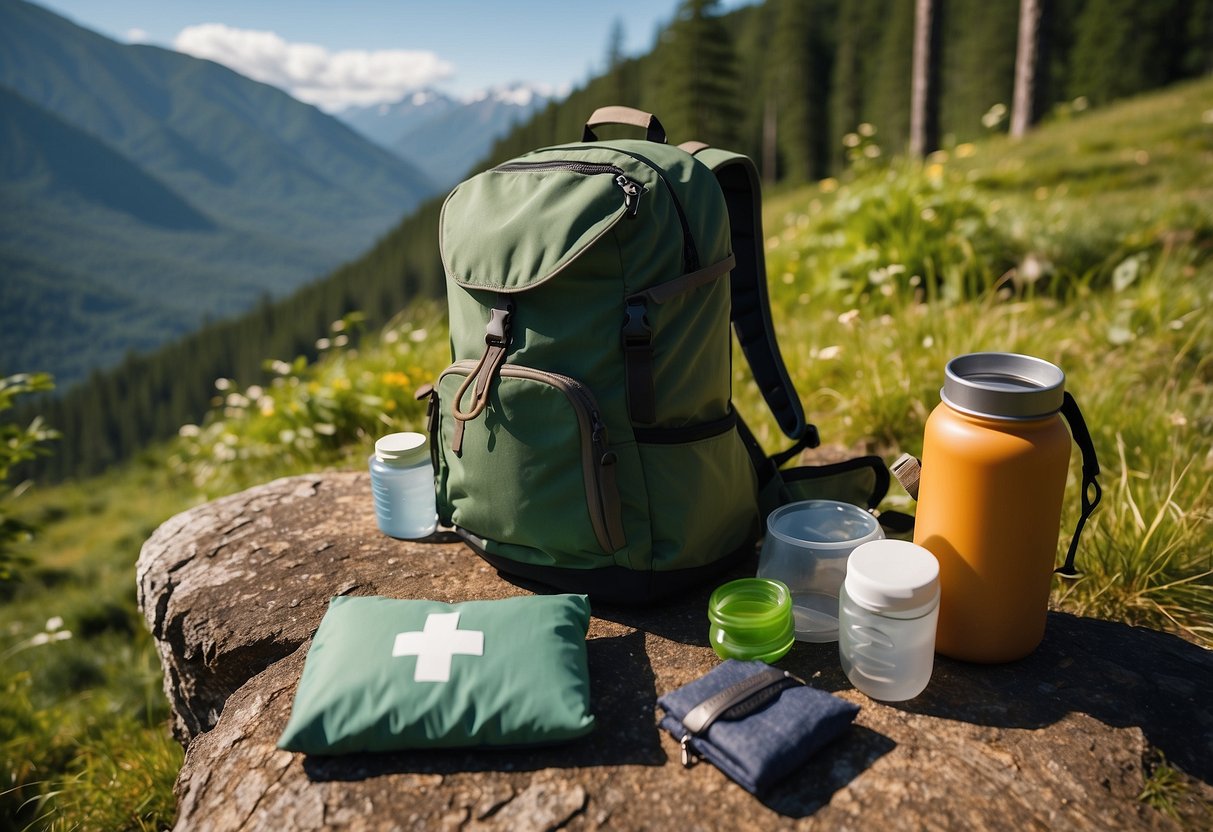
<point>994,461</point>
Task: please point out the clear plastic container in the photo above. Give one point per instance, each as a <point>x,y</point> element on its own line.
<point>887,612</point>
<point>806,547</point>
<point>402,483</point>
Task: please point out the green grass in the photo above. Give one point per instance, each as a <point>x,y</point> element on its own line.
<point>1070,245</point>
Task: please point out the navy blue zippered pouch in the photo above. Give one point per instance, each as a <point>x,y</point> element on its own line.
<point>755,723</point>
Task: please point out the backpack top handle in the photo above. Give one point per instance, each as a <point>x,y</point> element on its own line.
<point>654,132</point>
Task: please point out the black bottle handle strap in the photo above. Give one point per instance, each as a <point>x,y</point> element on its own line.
<point>1091,492</point>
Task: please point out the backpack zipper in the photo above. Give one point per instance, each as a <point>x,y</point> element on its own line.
<point>631,189</point>
<point>597,459</point>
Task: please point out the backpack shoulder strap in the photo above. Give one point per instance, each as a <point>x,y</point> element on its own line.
<point>751,313</point>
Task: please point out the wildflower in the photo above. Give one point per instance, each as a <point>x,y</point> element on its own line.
<point>928,215</point>
<point>391,336</point>
<point>928,342</point>
<point>188,431</point>
<point>54,623</point>
<point>872,151</point>
<point>1207,116</point>
<point>280,367</point>
<point>254,392</point>
<point>325,429</point>
<point>994,116</point>
<point>341,340</point>
<point>964,151</point>
<point>338,326</point>
<point>850,140</point>
<point>222,384</point>
<point>935,171</point>
<point>418,335</point>
<point>1141,157</point>
<point>323,343</point>
<point>866,130</point>
<point>1081,103</point>
<point>789,278</point>
<point>829,186</point>
<point>849,317</point>
<point>396,379</point>
<point>829,353</point>
<point>286,437</point>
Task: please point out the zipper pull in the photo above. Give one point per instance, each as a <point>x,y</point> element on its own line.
<point>688,754</point>
<point>631,194</point>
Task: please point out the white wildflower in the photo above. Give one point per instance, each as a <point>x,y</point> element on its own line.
<point>418,335</point>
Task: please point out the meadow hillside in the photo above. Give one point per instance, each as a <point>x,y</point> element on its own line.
<point>1090,243</point>
<point>784,81</point>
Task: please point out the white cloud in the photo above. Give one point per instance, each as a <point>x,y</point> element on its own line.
<point>136,35</point>
<point>311,73</point>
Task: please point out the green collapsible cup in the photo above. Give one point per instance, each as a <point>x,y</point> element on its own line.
<point>751,618</point>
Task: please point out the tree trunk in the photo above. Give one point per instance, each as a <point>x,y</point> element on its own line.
<point>921,89</point>
<point>1023,110</point>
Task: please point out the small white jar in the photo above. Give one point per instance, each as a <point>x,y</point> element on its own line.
<point>887,611</point>
<point>402,483</point>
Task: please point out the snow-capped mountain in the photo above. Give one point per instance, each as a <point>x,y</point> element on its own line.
<point>446,136</point>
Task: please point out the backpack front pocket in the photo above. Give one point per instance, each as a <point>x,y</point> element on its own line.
<point>534,468</point>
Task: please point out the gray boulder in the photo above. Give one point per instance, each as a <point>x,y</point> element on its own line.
<point>234,589</point>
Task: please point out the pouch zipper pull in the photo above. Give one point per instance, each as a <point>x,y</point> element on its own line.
<point>689,756</point>
<point>631,194</point>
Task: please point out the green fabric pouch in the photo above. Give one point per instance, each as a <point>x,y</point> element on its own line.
<point>384,674</point>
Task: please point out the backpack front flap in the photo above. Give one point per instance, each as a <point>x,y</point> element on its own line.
<point>585,435</point>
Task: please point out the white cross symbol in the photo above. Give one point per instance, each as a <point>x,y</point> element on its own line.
<point>436,644</point>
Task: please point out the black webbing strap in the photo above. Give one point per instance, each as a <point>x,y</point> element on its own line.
<point>1091,492</point>
<point>638,362</point>
<point>751,307</point>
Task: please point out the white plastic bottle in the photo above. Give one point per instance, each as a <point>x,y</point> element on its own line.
<point>887,611</point>
<point>402,482</point>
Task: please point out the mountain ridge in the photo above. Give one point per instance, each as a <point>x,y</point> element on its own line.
<point>172,181</point>
<point>443,134</point>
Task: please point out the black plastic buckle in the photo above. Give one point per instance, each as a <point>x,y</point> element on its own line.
<point>637,334</point>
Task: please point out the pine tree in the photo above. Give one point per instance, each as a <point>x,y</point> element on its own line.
<point>699,90</point>
<point>888,107</point>
<point>924,83</point>
<point>1027,65</point>
<point>859,27</point>
<point>978,63</point>
<point>1123,47</point>
<point>801,59</point>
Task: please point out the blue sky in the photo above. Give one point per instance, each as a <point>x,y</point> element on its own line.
<point>373,48</point>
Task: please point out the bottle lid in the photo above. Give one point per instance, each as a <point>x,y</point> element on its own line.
<point>402,449</point>
<point>893,576</point>
<point>1003,385</point>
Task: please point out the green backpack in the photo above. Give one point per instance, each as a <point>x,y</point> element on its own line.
<point>584,436</point>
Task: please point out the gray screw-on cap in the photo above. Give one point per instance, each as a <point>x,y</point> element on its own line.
<point>1003,385</point>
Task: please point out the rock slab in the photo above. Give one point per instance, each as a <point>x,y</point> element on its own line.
<point>234,589</point>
